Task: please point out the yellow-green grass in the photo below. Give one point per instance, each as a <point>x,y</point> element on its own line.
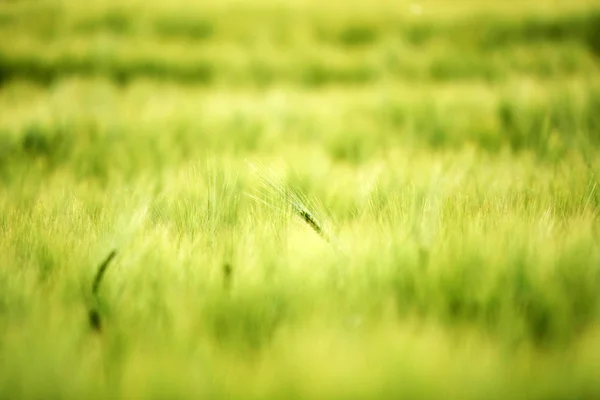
<point>455,169</point>
<point>302,43</point>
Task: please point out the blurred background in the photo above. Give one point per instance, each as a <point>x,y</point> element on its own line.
<point>451,145</point>
<point>351,77</point>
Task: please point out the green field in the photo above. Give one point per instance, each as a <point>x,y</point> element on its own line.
<point>307,199</point>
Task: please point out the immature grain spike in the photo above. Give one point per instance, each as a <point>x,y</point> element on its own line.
<point>101,270</point>
<point>298,203</point>
<point>227,275</point>
<point>307,217</point>
<point>95,320</point>
<point>94,316</point>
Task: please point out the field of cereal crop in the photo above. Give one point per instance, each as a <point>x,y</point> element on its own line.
<point>305,199</point>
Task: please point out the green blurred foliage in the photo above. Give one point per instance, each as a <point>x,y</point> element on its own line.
<point>450,147</point>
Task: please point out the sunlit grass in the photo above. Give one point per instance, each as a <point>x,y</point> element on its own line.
<point>305,200</point>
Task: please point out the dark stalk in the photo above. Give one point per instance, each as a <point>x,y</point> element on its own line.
<point>95,319</point>
<point>101,270</point>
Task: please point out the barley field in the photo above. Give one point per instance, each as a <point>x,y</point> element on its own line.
<point>300,199</point>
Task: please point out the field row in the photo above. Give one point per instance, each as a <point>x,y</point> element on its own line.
<point>262,65</point>
<point>98,125</point>
<point>263,48</point>
<point>503,244</point>
<point>346,24</point>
